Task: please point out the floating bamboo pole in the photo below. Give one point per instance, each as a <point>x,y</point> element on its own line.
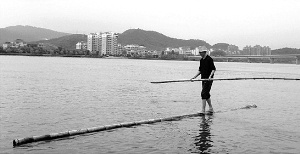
<point>220,79</point>
<point>18,142</point>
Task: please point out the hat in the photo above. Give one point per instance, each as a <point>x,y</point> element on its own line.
<point>202,49</point>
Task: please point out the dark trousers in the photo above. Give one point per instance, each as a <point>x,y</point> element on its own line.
<point>206,86</point>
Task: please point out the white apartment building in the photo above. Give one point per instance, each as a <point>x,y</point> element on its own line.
<point>103,43</point>
<point>81,45</point>
<point>134,48</point>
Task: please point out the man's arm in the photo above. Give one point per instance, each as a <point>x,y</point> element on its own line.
<point>211,74</point>
<point>198,73</point>
<point>213,69</point>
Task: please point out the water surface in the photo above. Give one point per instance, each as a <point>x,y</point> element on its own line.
<point>42,95</point>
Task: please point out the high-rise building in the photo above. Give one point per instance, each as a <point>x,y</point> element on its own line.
<point>103,43</point>
<point>92,43</point>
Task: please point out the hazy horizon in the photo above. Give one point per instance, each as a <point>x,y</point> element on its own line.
<point>273,23</point>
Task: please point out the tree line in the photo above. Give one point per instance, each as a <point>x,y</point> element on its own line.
<point>35,50</point>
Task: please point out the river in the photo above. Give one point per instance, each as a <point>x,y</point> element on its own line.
<point>42,95</point>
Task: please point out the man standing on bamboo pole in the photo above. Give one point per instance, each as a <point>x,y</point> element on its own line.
<point>206,69</point>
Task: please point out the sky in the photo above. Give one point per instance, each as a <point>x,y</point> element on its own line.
<point>273,23</point>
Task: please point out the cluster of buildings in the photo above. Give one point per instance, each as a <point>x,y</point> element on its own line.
<point>185,50</point>
<point>81,45</point>
<point>256,50</point>
<point>231,49</point>
<point>21,43</point>
<point>16,44</point>
<point>133,49</point>
<point>106,43</point>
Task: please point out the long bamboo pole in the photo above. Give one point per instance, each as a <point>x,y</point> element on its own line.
<point>52,136</point>
<point>21,141</point>
<point>220,79</point>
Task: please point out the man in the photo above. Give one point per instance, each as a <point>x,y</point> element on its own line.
<point>206,69</point>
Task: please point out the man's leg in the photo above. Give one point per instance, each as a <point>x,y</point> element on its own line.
<point>210,105</point>
<point>208,87</point>
<point>203,105</point>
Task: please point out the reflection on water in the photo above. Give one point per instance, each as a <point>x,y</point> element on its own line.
<point>203,140</point>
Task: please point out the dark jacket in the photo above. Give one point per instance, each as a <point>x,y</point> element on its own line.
<point>206,66</point>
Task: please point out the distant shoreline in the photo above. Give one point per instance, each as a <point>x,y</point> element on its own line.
<point>219,59</point>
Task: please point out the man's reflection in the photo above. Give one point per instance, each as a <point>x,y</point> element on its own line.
<point>203,141</point>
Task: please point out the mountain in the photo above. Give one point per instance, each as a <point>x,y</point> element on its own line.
<point>66,42</point>
<point>150,39</point>
<point>27,33</point>
<point>220,46</point>
<point>285,51</point>
<point>156,41</point>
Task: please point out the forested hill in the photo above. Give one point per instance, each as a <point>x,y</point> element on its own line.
<point>156,41</point>
<point>27,33</point>
<point>150,39</point>
<point>285,51</point>
<point>66,42</point>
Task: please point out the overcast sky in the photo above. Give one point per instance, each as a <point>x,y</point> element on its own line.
<point>274,23</point>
